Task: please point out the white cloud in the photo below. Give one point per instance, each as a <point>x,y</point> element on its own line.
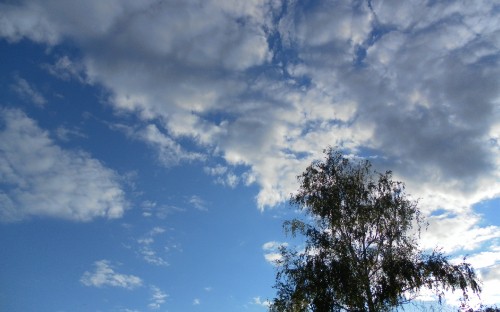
<point>487,265</point>
<point>147,249</point>
<point>271,251</point>
<point>272,245</point>
<point>24,22</point>
<point>277,126</point>
<point>457,232</point>
<point>157,230</point>
<point>485,259</point>
<point>491,284</point>
<point>150,208</point>
<point>66,134</point>
<point>169,152</point>
<point>258,301</point>
<point>104,275</point>
<point>224,175</point>
<point>158,297</point>
<point>272,257</point>
<point>489,295</point>
<point>198,203</point>
<point>150,256</point>
<point>65,68</point>
<point>45,180</point>
<point>196,301</point>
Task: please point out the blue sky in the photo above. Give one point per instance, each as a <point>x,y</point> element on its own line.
<point>148,148</point>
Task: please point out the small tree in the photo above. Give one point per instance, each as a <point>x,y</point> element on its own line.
<point>361,251</point>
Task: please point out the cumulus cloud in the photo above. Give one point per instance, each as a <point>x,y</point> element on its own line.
<point>105,275</point>
<point>414,83</point>
<point>42,179</point>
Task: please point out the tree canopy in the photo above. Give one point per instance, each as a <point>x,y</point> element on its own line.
<point>361,250</point>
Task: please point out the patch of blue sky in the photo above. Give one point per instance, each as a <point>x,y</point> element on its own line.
<point>439,213</point>
<point>45,272</point>
<point>377,32</point>
<point>217,117</point>
<point>295,154</point>
<point>490,210</point>
<point>313,125</point>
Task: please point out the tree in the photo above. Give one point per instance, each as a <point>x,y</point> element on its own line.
<point>361,251</point>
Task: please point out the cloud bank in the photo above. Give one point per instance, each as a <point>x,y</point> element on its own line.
<point>266,85</point>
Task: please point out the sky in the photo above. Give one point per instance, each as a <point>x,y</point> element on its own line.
<point>148,149</point>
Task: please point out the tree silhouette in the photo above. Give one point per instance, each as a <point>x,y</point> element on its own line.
<point>361,251</point>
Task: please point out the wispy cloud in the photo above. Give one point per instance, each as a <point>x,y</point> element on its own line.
<point>258,301</point>
<point>105,275</point>
<point>151,256</point>
<point>66,69</point>
<point>66,134</point>
<point>45,180</point>
<point>151,208</point>
<point>198,203</point>
<point>27,92</point>
<point>147,249</point>
<point>170,153</point>
<point>158,297</point>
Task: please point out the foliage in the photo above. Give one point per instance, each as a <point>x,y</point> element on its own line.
<point>361,250</point>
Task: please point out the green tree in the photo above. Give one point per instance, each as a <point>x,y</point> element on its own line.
<point>361,250</point>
